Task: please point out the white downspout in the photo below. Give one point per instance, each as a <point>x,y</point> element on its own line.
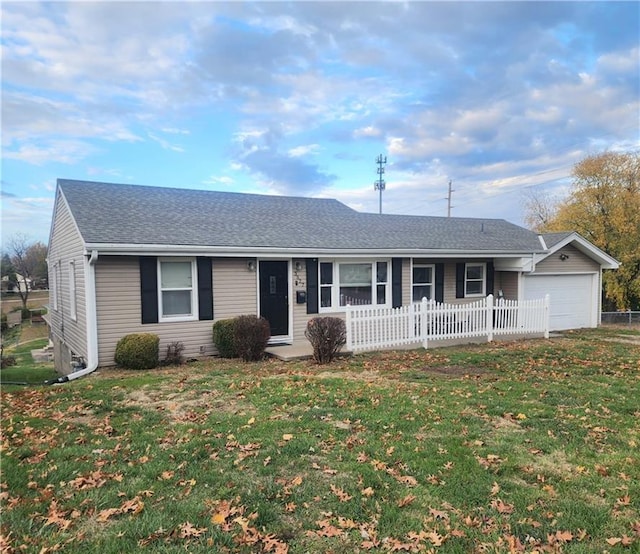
<point>91,317</point>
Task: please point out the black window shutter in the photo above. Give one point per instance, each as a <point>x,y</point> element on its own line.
<point>205,289</point>
<point>460,268</point>
<point>149,288</point>
<point>439,294</point>
<point>312,285</point>
<point>490,277</point>
<point>396,282</point>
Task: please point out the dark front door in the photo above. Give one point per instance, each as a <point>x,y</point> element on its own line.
<point>274,296</point>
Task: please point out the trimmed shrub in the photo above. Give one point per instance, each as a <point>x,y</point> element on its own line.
<point>327,336</point>
<point>223,338</point>
<point>251,335</point>
<point>174,353</point>
<point>138,351</point>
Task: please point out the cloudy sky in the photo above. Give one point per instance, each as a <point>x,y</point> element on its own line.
<point>299,98</point>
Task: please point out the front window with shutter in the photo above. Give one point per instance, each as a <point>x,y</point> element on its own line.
<point>176,294</point>
<point>474,279</point>
<point>423,282</point>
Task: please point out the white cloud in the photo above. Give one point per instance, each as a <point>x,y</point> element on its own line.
<point>303,150</point>
<point>367,132</point>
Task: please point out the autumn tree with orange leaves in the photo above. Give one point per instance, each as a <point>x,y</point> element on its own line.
<point>604,207</point>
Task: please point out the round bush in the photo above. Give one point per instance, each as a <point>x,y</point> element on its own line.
<point>223,338</point>
<point>327,336</point>
<point>251,335</point>
<point>138,351</point>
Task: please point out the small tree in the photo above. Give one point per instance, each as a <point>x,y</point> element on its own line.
<point>29,262</point>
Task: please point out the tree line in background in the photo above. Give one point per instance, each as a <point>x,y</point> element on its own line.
<point>603,205</point>
<point>24,267</point>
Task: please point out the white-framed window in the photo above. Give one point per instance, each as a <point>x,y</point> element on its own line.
<point>53,294</point>
<point>475,279</point>
<point>177,289</point>
<point>326,284</point>
<point>73,311</point>
<point>357,282</point>
<point>423,282</point>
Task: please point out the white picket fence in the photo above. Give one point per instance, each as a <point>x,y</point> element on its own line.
<point>373,328</point>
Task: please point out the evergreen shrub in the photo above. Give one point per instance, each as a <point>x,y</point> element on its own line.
<point>223,338</point>
<point>138,351</point>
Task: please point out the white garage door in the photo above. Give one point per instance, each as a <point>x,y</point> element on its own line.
<point>571,298</point>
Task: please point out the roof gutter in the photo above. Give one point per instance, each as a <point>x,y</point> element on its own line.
<point>266,252</point>
<point>91,365</point>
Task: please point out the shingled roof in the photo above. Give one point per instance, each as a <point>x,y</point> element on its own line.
<point>108,213</point>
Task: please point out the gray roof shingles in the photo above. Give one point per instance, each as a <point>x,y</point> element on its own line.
<point>551,239</point>
<point>133,214</point>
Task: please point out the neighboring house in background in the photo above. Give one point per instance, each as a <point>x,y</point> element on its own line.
<point>20,286</point>
<point>126,258</point>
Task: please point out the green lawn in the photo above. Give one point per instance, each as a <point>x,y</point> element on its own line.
<point>513,447</point>
<point>26,371</point>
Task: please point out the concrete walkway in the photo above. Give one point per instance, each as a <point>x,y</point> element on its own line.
<point>302,351</point>
<point>289,352</point>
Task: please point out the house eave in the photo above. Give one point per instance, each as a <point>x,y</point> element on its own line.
<point>119,249</point>
<point>586,247</point>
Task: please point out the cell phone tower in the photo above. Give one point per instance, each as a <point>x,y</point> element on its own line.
<point>380,184</point>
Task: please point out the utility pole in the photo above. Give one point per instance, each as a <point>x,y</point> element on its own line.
<point>449,206</point>
<point>380,184</point>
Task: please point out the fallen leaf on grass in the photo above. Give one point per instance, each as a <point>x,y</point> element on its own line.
<point>501,507</point>
<point>368,492</point>
<point>408,480</point>
<point>406,500</point>
<point>435,538</point>
<point>624,541</point>
<point>341,494</point>
<point>439,514</point>
<point>187,530</point>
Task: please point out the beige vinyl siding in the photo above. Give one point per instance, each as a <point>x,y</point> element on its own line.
<point>406,281</point>
<point>235,288</point>
<point>66,245</point>
<point>577,262</point>
<point>507,281</point>
<point>119,306</point>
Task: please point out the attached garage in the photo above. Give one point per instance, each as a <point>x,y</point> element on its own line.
<point>574,299</point>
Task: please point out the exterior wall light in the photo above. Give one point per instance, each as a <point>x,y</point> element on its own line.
<point>564,257</point>
<point>251,265</point>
